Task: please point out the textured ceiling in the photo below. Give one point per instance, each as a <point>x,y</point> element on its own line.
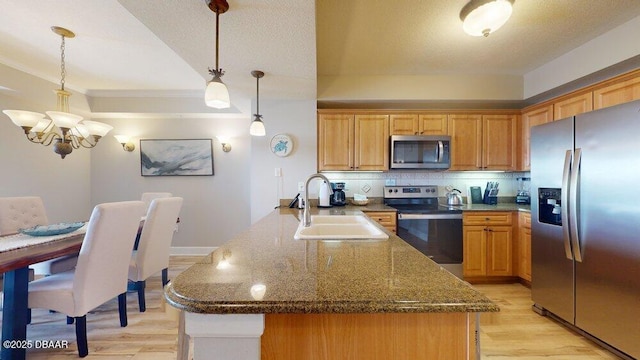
<point>125,47</point>
<point>406,37</point>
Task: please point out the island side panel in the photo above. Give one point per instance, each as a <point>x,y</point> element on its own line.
<point>369,336</point>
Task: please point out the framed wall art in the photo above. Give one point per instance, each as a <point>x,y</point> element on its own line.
<point>180,157</point>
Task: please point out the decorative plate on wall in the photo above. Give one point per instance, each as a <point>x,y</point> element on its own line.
<point>281,145</point>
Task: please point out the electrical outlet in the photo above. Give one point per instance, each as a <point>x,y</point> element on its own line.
<point>300,186</point>
<point>277,172</point>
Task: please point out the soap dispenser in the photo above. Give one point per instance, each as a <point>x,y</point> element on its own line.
<point>324,195</point>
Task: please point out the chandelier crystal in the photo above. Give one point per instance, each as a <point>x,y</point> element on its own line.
<point>66,131</point>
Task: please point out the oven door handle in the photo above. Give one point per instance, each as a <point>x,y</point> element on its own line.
<point>402,216</point>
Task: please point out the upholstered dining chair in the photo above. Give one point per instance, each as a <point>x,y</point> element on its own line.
<point>101,271</point>
<point>147,197</point>
<point>21,212</point>
<point>24,212</point>
<point>152,254</point>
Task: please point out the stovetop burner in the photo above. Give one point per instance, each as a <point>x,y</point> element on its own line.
<point>421,199</point>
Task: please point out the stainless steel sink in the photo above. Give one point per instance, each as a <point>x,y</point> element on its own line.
<point>340,227</point>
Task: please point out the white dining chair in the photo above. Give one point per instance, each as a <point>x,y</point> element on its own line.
<point>152,254</point>
<point>101,271</point>
<point>147,197</point>
<point>20,213</point>
<point>28,211</point>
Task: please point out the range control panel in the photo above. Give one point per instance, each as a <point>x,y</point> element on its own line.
<point>422,191</point>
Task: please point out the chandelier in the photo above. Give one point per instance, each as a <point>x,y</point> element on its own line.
<point>66,131</point>
<point>216,94</point>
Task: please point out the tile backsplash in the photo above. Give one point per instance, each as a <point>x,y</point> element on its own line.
<point>371,184</point>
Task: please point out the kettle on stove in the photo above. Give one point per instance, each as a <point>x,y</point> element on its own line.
<point>453,197</point>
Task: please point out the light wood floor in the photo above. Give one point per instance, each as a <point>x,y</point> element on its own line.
<point>514,333</point>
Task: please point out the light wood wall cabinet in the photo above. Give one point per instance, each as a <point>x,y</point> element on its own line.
<point>483,142</point>
<point>487,244</point>
<point>524,246</point>
<point>531,118</point>
<point>384,218</point>
<point>466,142</point>
<point>617,93</point>
<point>573,105</point>
<point>418,124</point>
<point>353,142</point>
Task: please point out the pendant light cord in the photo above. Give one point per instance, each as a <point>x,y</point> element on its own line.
<point>257,95</point>
<point>217,36</point>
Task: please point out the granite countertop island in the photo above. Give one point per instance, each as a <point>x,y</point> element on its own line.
<point>270,290</point>
<point>264,270</point>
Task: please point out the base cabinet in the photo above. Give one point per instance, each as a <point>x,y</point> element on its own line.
<point>487,245</point>
<point>384,218</point>
<point>524,246</point>
<point>370,336</point>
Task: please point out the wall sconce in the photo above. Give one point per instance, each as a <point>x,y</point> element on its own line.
<point>125,140</point>
<point>224,141</point>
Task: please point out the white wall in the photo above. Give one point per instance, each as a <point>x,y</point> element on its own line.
<point>215,207</point>
<point>298,120</point>
<point>605,50</point>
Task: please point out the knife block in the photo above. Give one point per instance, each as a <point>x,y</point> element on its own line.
<point>488,198</point>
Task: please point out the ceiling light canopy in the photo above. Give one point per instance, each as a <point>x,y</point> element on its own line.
<point>257,126</point>
<point>68,130</point>
<point>217,95</point>
<point>483,17</point>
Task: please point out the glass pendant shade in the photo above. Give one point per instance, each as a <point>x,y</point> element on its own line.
<point>41,126</point>
<point>64,119</point>
<point>96,128</point>
<point>216,95</point>
<point>257,127</point>
<point>24,118</point>
<point>481,18</point>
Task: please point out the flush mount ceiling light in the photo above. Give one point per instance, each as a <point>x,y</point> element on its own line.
<point>482,17</point>
<point>68,130</point>
<point>257,126</point>
<point>217,95</point>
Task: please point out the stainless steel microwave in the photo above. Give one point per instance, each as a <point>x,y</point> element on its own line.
<point>420,152</point>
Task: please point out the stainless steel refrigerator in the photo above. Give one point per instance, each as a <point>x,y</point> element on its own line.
<point>585,172</point>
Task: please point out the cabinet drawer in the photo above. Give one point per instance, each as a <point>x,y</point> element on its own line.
<point>486,218</point>
<point>384,218</point>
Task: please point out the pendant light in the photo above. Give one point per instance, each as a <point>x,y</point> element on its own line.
<point>68,130</point>
<point>257,126</point>
<point>483,17</point>
<point>217,95</point>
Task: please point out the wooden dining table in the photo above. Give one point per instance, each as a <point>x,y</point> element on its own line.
<point>14,263</point>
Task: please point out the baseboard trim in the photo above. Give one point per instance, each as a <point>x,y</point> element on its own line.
<point>192,250</point>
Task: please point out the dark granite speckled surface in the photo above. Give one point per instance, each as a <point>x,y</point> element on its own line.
<point>313,276</point>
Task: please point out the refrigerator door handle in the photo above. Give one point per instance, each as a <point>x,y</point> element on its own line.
<point>573,207</point>
<point>564,199</point>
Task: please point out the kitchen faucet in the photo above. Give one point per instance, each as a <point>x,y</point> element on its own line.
<point>306,215</point>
